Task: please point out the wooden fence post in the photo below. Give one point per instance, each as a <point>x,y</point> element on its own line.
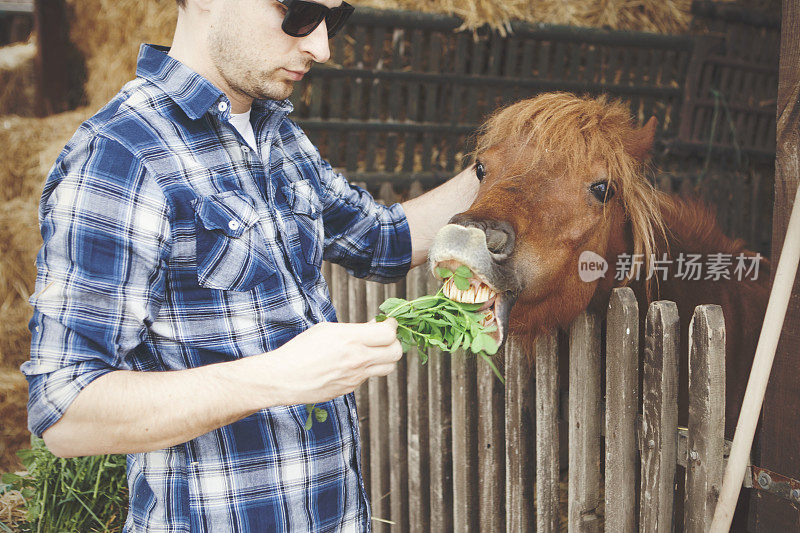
<point>622,404</point>
<point>659,434</point>
<point>491,447</point>
<point>704,464</point>
<point>584,423</point>
<point>520,437</point>
<point>419,509</point>
<point>441,425</point>
<point>547,463</point>
<point>379,458</point>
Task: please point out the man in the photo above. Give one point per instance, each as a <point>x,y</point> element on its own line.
<point>180,315</point>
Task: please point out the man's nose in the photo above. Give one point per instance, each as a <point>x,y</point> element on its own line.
<point>316,43</point>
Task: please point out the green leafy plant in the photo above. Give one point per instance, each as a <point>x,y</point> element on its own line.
<point>435,321</point>
<point>83,494</point>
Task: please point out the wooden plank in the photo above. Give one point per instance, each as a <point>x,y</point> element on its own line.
<point>584,424</point>
<point>375,90</point>
<point>417,402</point>
<point>560,60</point>
<point>356,89</point>
<point>419,510</point>
<point>476,68</point>
<point>341,297</point>
<point>491,447</point>
<point>659,434</point>
<point>780,432</point>
<point>398,429</point>
<point>336,108</point>
<point>58,70</point>
<point>622,404</point>
<point>378,431</point>
<point>412,103</point>
<point>547,457</point>
<point>431,92</point>
<point>456,109</point>
<point>496,53</point>
<point>510,68</point>
<point>398,45</point>
<point>357,312</point>
<point>520,440</point>
<point>706,416</point>
<point>465,453</point>
<point>441,444</point>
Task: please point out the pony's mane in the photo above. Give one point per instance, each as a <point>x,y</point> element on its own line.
<point>582,132</point>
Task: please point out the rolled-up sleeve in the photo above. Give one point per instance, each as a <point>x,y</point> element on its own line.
<point>100,273</point>
<point>369,239</point>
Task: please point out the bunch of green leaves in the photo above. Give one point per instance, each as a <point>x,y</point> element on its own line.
<point>439,322</point>
<point>83,494</point>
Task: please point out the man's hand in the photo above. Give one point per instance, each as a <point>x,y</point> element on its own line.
<point>331,359</point>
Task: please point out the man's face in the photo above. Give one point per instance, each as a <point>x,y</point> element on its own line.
<point>253,54</point>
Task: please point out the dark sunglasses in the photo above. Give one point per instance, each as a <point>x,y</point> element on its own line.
<point>303,17</point>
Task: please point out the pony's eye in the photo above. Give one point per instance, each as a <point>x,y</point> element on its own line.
<point>480,171</point>
<point>602,191</point>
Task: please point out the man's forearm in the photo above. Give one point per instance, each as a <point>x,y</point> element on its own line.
<point>128,412</point>
<point>428,213</point>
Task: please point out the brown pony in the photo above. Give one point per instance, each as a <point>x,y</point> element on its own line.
<point>562,175</point>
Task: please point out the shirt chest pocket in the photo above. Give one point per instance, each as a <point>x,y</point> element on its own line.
<point>307,213</point>
<point>231,251</point>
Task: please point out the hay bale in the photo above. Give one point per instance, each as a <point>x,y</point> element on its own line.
<point>14,434</point>
<point>111,55</point>
<point>18,79</point>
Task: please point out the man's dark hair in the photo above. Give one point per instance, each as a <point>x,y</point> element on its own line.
<point>181,3</point>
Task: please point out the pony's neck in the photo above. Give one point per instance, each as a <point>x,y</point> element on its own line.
<point>692,228</point>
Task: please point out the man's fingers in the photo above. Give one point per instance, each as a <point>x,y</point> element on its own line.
<point>382,370</point>
<point>380,333</point>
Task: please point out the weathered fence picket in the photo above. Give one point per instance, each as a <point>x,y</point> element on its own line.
<point>547,457</point>
<point>659,432</point>
<point>441,447</point>
<point>622,404</point>
<point>706,416</point>
<point>520,437</point>
<point>584,424</point>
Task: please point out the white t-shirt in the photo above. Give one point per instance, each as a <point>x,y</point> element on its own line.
<point>241,121</point>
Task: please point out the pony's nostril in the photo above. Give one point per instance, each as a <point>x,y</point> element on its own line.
<point>496,240</point>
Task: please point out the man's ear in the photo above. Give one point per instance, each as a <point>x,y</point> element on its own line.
<point>639,144</point>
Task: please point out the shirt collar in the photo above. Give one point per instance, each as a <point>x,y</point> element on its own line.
<point>194,94</point>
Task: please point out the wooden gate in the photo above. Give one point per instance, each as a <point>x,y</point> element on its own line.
<point>447,447</point>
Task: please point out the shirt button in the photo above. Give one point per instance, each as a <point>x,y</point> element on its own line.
<point>245,148</point>
<point>233,225</point>
<point>222,106</point>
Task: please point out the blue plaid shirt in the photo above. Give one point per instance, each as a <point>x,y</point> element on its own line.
<point>170,244</point>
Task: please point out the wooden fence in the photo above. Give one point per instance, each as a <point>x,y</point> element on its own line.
<point>447,447</point>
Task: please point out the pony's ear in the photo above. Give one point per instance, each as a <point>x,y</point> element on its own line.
<point>639,144</point>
